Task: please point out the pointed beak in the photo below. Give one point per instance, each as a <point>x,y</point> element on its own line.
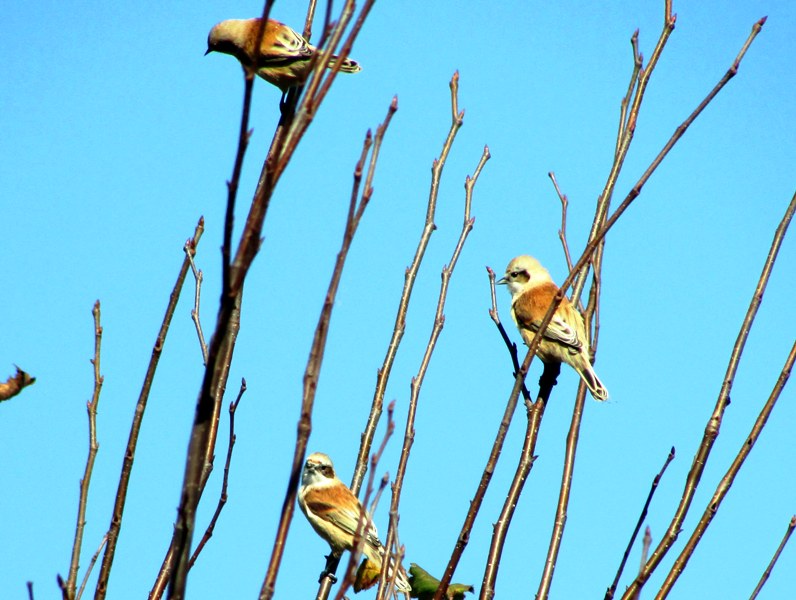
<point>502,281</point>
<point>208,51</point>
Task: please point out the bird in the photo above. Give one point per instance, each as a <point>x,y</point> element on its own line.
<point>532,290</point>
<point>284,59</point>
<point>424,585</point>
<point>335,512</point>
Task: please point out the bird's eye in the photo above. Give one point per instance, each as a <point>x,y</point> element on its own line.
<point>514,274</point>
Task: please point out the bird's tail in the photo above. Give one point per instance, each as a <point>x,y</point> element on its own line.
<point>347,66</point>
<point>368,574</point>
<point>596,387</point>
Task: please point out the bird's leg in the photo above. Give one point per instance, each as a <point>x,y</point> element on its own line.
<point>332,561</point>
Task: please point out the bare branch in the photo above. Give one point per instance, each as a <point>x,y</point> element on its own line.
<point>612,589</point>
<point>233,406</point>
<point>535,412</point>
<point>190,251</point>
<point>70,586</point>
<point>91,564</point>
<point>770,567</point>
<point>403,304</point>
<point>714,422</point>
<point>311,374</point>
<point>638,62</point>
<point>132,441</point>
<point>562,233</point>
<point>726,482</point>
<point>436,330</point>
<point>627,132</point>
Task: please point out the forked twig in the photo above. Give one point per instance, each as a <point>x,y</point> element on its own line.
<point>129,454</point>
<point>726,482</point>
<point>562,232</point>
<point>612,589</point>
<point>409,280</point>
<point>770,567</point>
<point>222,500</point>
<point>714,422</point>
<point>190,251</point>
<point>436,330</point>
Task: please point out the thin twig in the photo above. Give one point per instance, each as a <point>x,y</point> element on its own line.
<point>91,564</point>
<point>436,330</point>
<point>729,477</point>
<point>368,509</point>
<point>723,400</point>
<point>190,250</point>
<point>656,480</point>
<point>770,567</point>
<point>222,500</point>
<point>132,441</point>
<point>638,63</point>
<point>511,346</point>
<point>409,280</point>
<point>562,233</point>
<point>645,546</point>
<point>535,412</point>
<point>356,209</point>
<point>626,133</point>
<point>93,446</point>
<point>30,590</point>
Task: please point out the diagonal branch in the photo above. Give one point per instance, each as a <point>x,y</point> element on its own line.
<point>612,590</point>
<point>127,463</point>
<point>770,567</point>
<point>714,422</point>
<point>233,406</point>
<point>726,482</point>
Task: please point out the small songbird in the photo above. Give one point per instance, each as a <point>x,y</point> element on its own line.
<point>334,513</point>
<point>284,57</point>
<point>532,290</point>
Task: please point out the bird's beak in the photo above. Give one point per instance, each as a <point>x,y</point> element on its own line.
<point>208,51</point>
<point>502,281</point>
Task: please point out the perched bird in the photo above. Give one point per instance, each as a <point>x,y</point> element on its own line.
<point>532,290</point>
<point>284,57</point>
<point>334,513</point>
<point>424,585</point>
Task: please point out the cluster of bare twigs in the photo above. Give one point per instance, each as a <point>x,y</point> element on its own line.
<point>298,110</point>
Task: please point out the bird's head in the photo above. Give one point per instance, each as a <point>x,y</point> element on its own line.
<point>523,272</point>
<point>318,470</point>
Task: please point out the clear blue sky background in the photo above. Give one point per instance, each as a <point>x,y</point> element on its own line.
<point>117,134</point>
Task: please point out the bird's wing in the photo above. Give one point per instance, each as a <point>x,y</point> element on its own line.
<point>287,46</point>
<point>337,505</point>
<point>529,312</point>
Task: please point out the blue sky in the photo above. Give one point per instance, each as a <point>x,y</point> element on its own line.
<point>117,134</point>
